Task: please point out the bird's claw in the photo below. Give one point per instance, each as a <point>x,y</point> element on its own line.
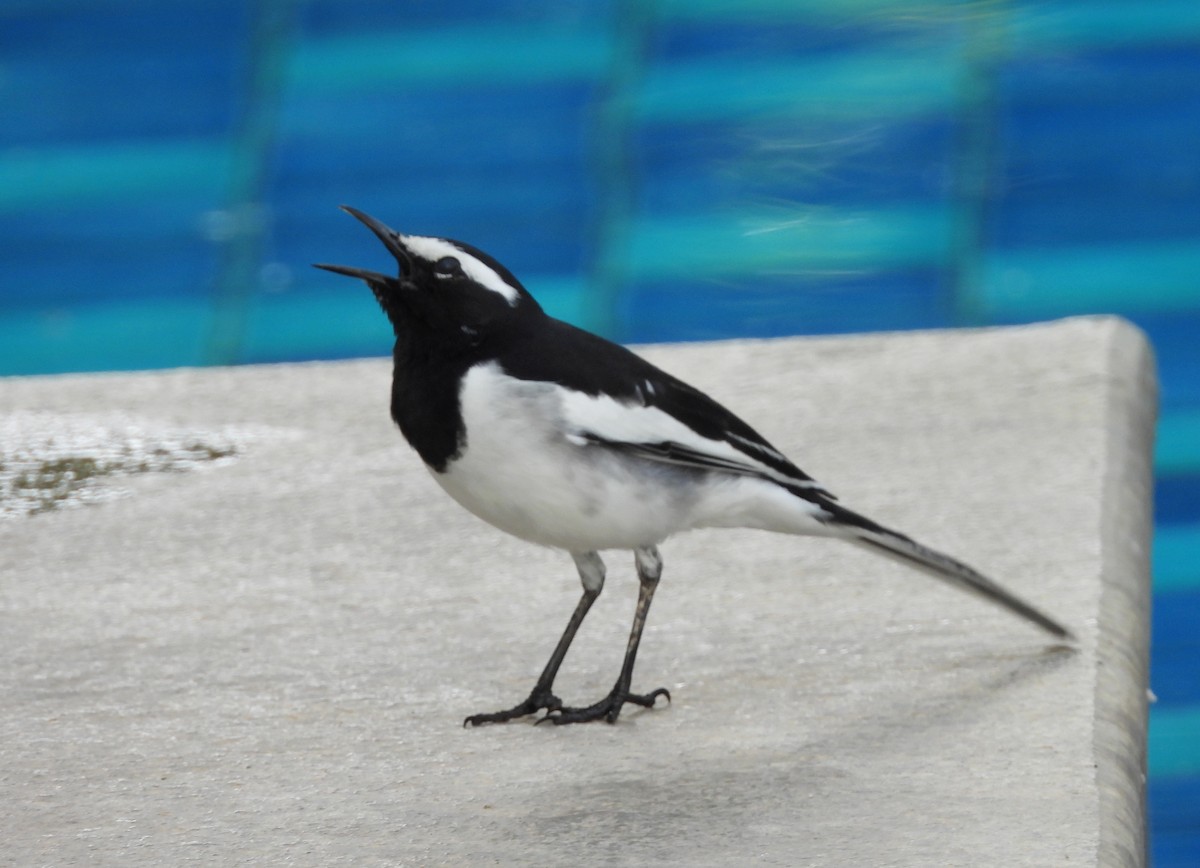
<point>535,702</point>
<point>607,709</point>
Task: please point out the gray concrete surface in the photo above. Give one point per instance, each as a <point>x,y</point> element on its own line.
<point>267,660</point>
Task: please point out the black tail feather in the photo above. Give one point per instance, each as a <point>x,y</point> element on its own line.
<point>911,553</point>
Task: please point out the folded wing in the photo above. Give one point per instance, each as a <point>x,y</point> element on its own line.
<point>665,420</point>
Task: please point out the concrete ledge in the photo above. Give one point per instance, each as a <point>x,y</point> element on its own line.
<point>266,660</point>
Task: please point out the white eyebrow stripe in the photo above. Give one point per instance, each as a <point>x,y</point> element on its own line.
<point>433,249</point>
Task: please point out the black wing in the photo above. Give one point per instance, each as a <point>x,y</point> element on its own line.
<point>710,436</point>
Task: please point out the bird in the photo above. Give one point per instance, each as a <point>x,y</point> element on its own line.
<point>565,439</point>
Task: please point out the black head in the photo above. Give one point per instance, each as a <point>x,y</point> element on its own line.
<point>452,291</point>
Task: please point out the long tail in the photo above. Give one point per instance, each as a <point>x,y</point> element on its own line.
<point>897,546</point>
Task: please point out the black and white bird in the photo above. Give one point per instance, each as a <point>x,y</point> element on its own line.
<point>562,438</point>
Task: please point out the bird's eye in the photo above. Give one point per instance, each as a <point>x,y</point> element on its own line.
<point>447,266</point>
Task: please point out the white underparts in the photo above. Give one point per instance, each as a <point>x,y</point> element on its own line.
<point>526,469</point>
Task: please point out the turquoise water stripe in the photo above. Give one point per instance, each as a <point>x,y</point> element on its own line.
<point>1174,740</point>
<point>791,10</point>
<point>1176,558</point>
<point>460,55</point>
<point>314,322</point>
<point>884,84</point>
<point>1027,26</point>
<point>1069,280</point>
<point>1100,23</point>
<point>49,175</point>
<point>793,242</point>
<point>566,297</point>
<point>164,332</point>
<point>1177,449</point>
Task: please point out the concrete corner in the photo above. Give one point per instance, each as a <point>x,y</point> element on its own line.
<point>266,659</point>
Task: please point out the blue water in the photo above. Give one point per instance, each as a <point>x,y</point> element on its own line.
<point>657,171</point>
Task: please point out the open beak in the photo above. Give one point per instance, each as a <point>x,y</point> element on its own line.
<point>390,239</point>
<point>360,273</point>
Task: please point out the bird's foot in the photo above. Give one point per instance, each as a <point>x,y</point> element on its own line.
<point>608,708</point>
<point>536,701</point>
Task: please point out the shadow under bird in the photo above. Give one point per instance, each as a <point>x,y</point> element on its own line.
<point>565,439</point>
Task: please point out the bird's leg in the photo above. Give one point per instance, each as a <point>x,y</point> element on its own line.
<point>591,575</point>
<point>649,568</point>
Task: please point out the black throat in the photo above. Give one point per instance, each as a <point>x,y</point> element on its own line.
<point>425,400</point>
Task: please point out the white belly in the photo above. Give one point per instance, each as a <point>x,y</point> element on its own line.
<point>523,470</point>
<point>520,472</point>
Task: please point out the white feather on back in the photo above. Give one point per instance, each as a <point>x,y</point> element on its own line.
<point>619,422</point>
<point>522,470</point>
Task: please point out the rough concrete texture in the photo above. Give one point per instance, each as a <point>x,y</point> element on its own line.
<point>267,660</point>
